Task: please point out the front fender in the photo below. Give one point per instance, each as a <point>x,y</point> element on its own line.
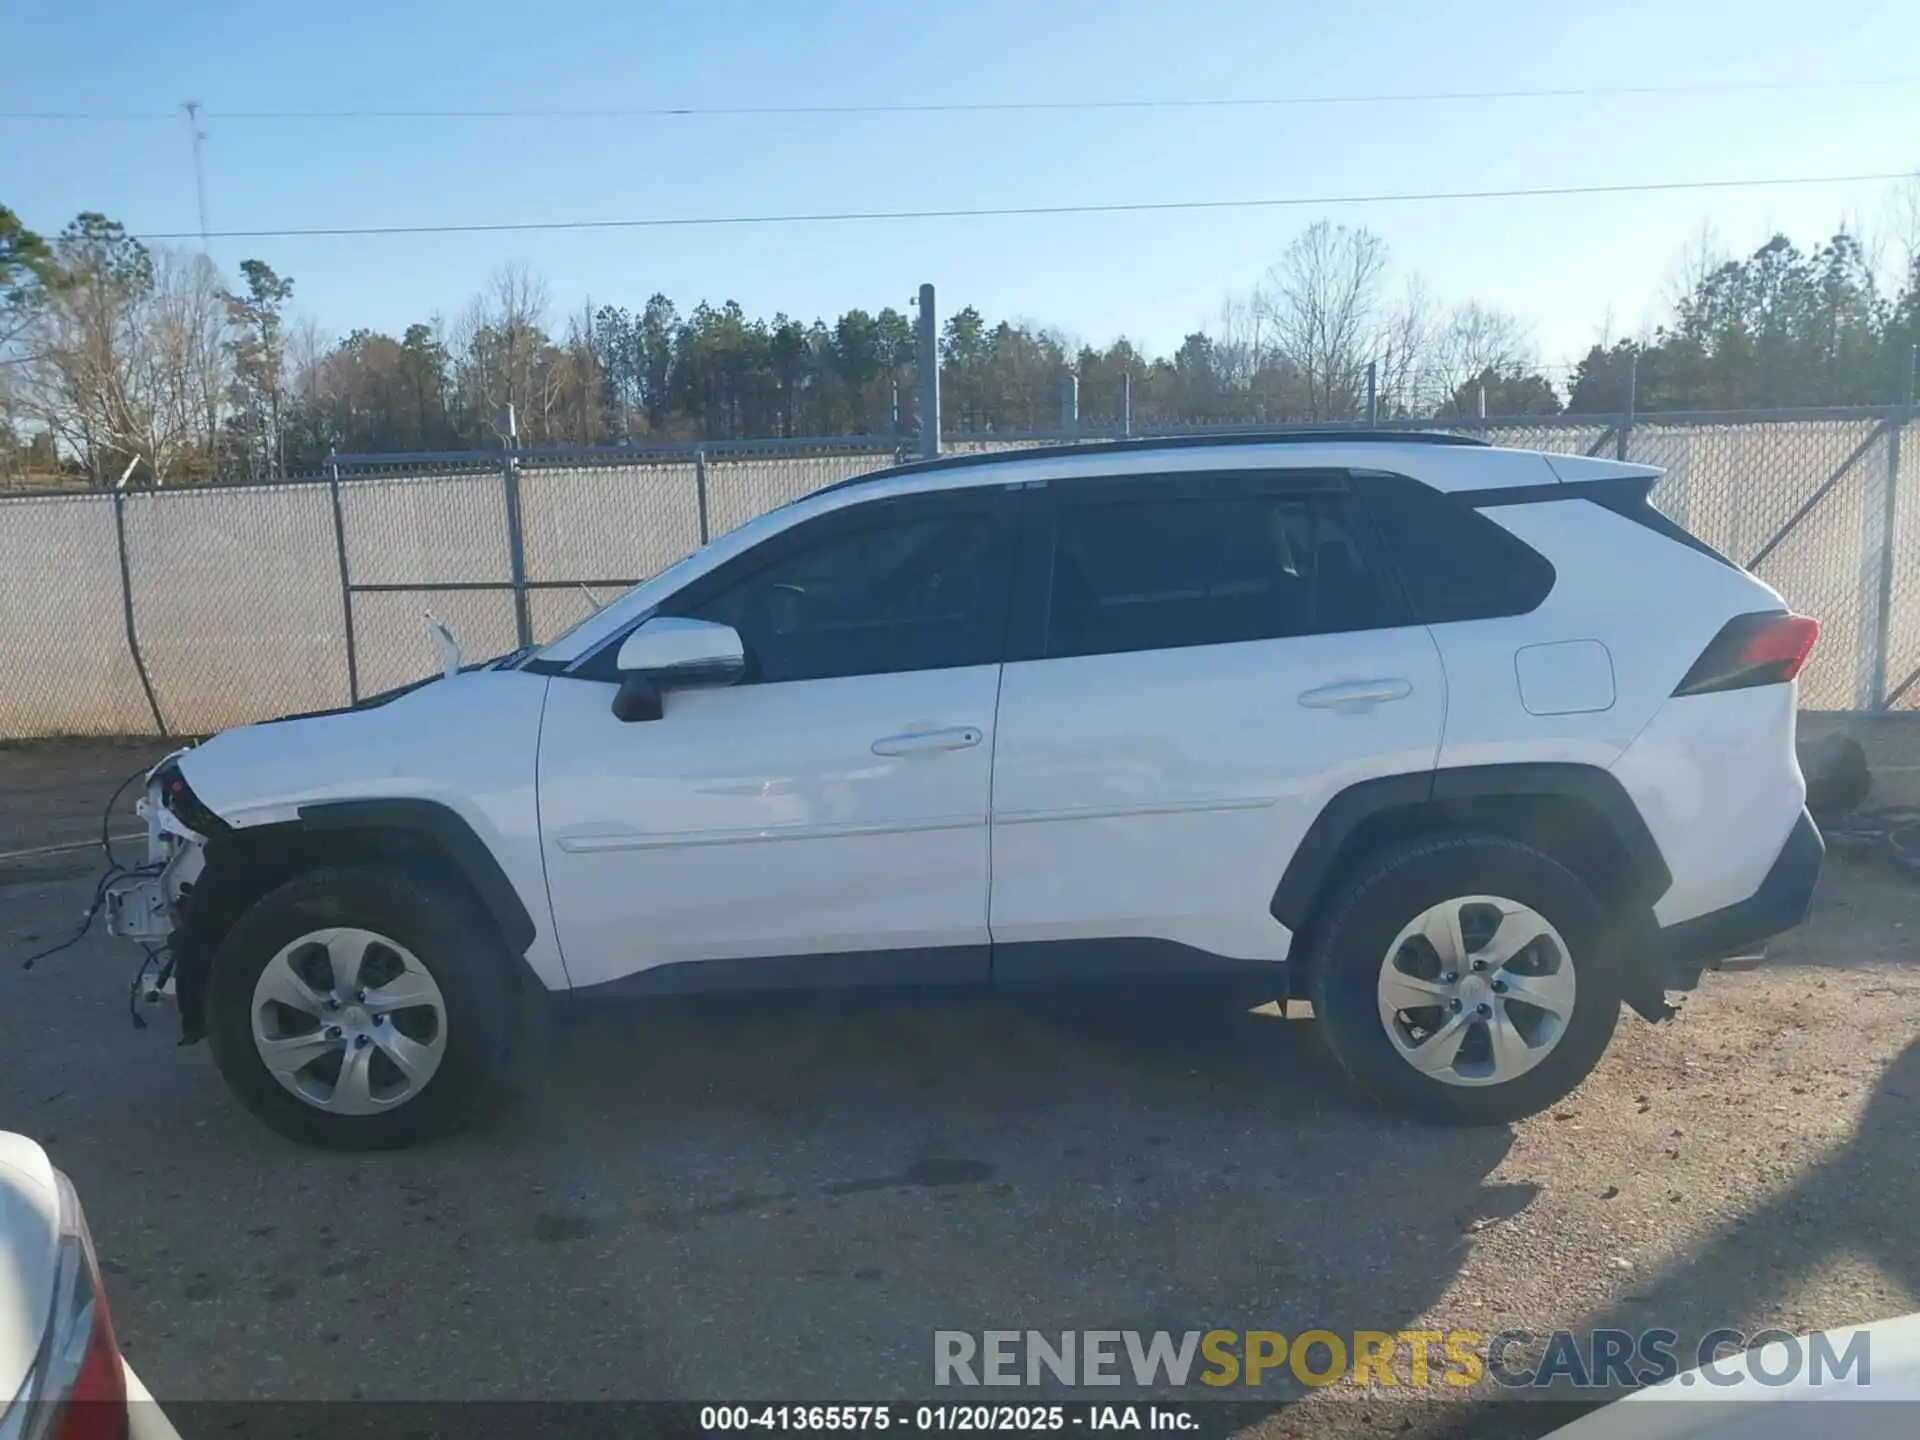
<point>453,760</point>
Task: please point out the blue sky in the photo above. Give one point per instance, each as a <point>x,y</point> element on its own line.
<point>1567,265</point>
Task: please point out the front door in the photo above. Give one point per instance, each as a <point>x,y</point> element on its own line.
<point>825,820</point>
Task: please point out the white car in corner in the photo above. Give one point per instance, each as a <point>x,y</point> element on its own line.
<point>1466,745</point>
<point>1773,1392</point>
<point>59,1360</point>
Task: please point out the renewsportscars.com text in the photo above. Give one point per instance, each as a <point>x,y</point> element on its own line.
<point>1457,1359</point>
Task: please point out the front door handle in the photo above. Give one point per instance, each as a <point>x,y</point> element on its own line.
<point>960,737</point>
<point>1355,694</point>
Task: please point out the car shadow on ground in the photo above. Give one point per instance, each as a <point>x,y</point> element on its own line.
<point>984,1164</point>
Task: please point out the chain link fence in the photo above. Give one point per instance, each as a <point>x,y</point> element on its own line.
<point>186,612</point>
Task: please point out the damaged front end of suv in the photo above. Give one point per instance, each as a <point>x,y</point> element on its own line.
<point>149,904</point>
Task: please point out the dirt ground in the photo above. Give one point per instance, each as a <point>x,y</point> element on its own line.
<point>771,1199</point>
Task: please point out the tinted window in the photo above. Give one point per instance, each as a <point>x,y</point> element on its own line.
<point>1161,574</point>
<point>914,594</point>
<point>1455,563</point>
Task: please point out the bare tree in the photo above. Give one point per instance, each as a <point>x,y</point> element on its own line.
<point>1902,228</point>
<point>501,340</point>
<point>197,314</point>
<point>1240,341</point>
<point>185,366</point>
<point>1323,301</point>
<point>1402,347</point>
<point>119,358</point>
<point>1476,344</point>
<point>1698,258</point>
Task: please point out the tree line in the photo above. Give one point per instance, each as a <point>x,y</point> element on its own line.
<point>128,363</point>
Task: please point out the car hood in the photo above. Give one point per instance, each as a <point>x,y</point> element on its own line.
<point>444,739</point>
<point>29,1239</point>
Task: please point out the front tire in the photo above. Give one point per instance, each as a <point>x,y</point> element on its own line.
<point>361,1007</point>
<point>1466,979</point>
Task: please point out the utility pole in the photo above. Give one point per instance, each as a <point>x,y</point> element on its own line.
<point>192,107</point>
<point>929,376</point>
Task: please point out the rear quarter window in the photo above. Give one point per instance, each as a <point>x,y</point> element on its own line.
<point>1453,562</point>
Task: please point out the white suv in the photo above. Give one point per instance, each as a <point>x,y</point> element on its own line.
<point>1465,745</point>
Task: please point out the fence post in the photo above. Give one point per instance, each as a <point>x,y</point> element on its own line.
<point>1897,423</point>
<point>346,584</point>
<point>700,489</point>
<point>126,608</point>
<point>1070,403</point>
<point>1373,393</point>
<point>1626,415</point>
<point>929,377</point>
<point>516,539</point>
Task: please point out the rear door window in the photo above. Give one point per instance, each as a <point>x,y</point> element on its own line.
<point>1170,570</point>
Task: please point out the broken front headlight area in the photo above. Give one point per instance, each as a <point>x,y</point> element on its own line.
<point>144,905</point>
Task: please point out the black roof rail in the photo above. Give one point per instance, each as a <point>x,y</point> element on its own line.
<point>1157,442</point>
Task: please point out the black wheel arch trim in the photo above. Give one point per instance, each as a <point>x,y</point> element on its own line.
<point>245,863</point>
<point>454,836</point>
<point>1306,874</point>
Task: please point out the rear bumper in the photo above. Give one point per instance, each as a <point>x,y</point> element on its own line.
<point>1779,904</point>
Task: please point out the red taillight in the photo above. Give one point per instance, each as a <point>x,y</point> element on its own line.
<point>1761,649</point>
<point>77,1388</point>
<point>96,1407</point>
<point>1784,642</point>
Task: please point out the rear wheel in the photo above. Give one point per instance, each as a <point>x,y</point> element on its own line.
<point>1466,979</point>
<point>360,1007</point>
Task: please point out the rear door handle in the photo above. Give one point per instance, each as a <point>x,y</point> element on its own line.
<point>1355,694</point>
<point>960,737</point>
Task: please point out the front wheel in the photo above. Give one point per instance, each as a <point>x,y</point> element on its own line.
<point>360,1007</point>
<point>1466,979</point>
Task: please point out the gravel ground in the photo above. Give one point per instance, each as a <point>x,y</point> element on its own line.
<point>778,1199</point>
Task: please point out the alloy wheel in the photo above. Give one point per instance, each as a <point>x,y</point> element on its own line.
<point>1477,990</point>
<point>349,1020</point>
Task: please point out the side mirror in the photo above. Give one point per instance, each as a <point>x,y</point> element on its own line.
<point>672,653</point>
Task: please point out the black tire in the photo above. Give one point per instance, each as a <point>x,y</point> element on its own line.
<point>1392,889</point>
<point>444,928</point>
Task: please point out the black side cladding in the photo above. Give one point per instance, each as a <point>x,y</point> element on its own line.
<point>1602,795</point>
<point>453,837</point>
<point>242,865</point>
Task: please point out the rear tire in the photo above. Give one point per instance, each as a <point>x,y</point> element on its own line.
<point>1421,1002</point>
<point>384,996</point>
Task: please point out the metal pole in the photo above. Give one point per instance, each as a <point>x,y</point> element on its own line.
<point>1373,393</point>
<point>516,538</point>
<point>1626,415</point>
<point>1889,522</point>
<point>126,608</point>
<point>893,417</point>
<point>1070,403</point>
<point>192,107</point>
<point>346,584</point>
<point>929,377</point>
<point>700,489</point>
<point>1126,405</point>
<point>1483,400</point>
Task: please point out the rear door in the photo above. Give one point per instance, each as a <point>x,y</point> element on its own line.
<point>1198,663</point>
